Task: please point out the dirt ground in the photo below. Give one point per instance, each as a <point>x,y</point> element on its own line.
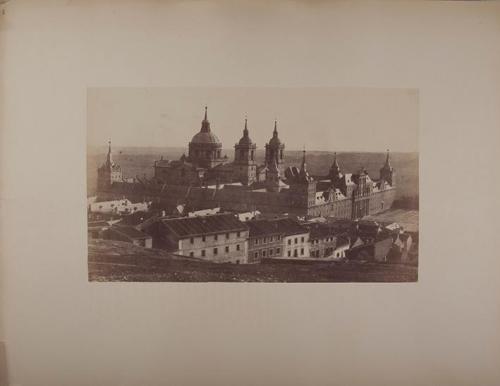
<point>407,218</point>
<point>118,261</point>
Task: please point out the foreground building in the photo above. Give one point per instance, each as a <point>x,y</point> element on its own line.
<point>205,179</point>
<point>221,238</point>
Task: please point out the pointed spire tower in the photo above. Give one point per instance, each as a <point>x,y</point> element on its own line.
<point>303,186</point>
<point>273,177</point>
<point>244,158</point>
<point>109,157</point>
<point>304,175</point>
<point>275,149</point>
<point>205,124</point>
<point>387,172</point>
<point>108,173</point>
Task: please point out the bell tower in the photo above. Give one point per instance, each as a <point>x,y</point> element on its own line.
<point>387,172</point>
<point>302,186</point>
<point>245,167</point>
<point>109,172</point>
<point>275,150</point>
<point>273,177</point>
<point>335,173</point>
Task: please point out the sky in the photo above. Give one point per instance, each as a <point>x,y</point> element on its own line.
<point>317,118</point>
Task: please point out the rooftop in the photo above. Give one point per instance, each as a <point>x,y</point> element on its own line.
<point>129,231</point>
<point>137,218</point>
<point>193,226</point>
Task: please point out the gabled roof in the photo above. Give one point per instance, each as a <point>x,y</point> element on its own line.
<point>284,226</point>
<point>137,218</point>
<point>321,230</point>
<point>291,227</point>
<point>342,240</point>
<point>129,232</point>
<point>264,227</point>
<point>194,226</point>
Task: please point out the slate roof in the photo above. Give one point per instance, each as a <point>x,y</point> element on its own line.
<point>194,226</point>
<point>291,227</point>
<point>319,231</point>
<point>342,240</point>
<point>264,227</point>
<point>130,232</point>
<point>137,218</point>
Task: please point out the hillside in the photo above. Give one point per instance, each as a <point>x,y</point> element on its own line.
<point>139,161</point>
<point>119,261</point>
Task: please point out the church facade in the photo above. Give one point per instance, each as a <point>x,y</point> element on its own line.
<point>205,178</point>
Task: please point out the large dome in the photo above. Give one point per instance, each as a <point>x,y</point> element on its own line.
<point>206,137</point>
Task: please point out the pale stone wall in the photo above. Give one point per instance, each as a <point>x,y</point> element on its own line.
<point>214,247</point>
<point>296,245</point>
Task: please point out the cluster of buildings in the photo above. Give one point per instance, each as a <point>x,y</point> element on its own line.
<point>224,237</point>
<point>208,207</point>
<point>242,238</point>
<point>205,178</point>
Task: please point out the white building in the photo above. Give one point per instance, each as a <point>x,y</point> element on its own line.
<point>123,206</point>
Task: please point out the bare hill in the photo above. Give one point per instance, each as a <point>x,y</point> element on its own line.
<point>119,261</point>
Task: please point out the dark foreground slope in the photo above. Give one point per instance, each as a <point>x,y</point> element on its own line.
<point>117,261</point>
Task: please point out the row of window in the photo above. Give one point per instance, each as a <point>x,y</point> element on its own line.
<point>267,239</point>
<point>327,252</point>
<point>216,237</point>
<point>208,154</point>
<point>327,239</point>
<point>267,253</point>
<point>296,252</point>
<point>296,240</point>
<point>216,251</point>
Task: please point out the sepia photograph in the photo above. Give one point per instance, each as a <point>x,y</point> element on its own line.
<point>252,184</point>
<point>246,193</point>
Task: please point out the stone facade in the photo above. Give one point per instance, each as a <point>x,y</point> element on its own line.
<point>219,238</point>
<point>205,179</point>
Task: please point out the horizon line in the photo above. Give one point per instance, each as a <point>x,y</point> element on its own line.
<point>262,148</point>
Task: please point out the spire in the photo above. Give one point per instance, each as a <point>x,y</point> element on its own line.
<point>303,166</point>
<point>274,166</point>
<point>109,158</point>
<point>275,131</point>
<point>205,124</point>
<point>335,168</point>
<point>387,164</point>
<point>245,130</point>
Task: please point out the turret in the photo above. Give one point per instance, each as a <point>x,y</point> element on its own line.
<point>273,177</point>
<point>109,172</point>
<point>303,174</point>
<point>302,186</point>
<point>387,172</point>
<point>335,173</point>
<point>275,149</point>
<point>245,168</point>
